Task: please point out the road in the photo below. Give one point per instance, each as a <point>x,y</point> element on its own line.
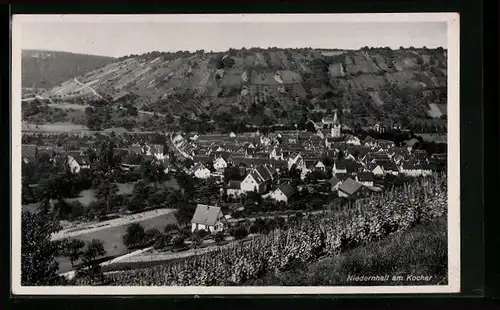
<point>91,89</point>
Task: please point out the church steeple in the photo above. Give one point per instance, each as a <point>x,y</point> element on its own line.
<point>336,119</point>
<point>335,129</point>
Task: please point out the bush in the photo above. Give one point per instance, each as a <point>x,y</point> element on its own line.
<point>240,233</point>
<point>135,236</point>
<point>219,237</point>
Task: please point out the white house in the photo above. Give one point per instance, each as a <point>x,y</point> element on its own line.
<point>293,160</point>
<point>377,170</point>
<point>234,189</point>
<point>265,141</point>
<point>353,140</point>
<point>276,153</point>
<point>320,166</point>
<point>155,150</point>
<point>411,170</point>
<point>232,135</point>
<point>200,171</point>
<point>339,167</point>
<point>220,163</point>
<point>253,182</point>
<point>209,218</point>
<point>76,163</point>
<point>283,193</point>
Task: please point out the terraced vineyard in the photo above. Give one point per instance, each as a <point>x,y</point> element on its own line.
<point>212,83</point>
<point>305,240</point>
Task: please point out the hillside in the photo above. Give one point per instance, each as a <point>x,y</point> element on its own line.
<point>266,86</point>
<point>46,69</point>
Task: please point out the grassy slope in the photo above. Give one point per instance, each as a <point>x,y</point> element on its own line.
<point>419,251</point>
<point>49,71</point>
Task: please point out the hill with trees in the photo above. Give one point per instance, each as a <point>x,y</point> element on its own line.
<point>46,69</point>
<point>219,91</point>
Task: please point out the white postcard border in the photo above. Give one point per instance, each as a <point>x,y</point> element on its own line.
<point>453,40</point>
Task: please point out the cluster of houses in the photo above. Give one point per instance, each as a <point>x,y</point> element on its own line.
<point>263,159</point>
<point>77,160</point>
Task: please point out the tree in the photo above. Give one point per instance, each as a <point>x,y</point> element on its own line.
<point>93,250</point>
<point>135,236</point>
<point>105,192</point>
<point>38,252</point>
<point>219,237</point>
<point>73,250</point>
<point>240,233</point>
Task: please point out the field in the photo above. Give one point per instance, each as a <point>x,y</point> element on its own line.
<point>68,106</point>
<point>56,127</point>
<point>305,241</point>
<point>112,236</point>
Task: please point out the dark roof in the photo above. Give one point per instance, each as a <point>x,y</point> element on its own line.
<point>310,162</point>
<point>135,149</point>
<point>233,184</point>
<point>349,186</point>
<point>204,159</point>
<point>342,176</point>
<point>305,134</point>
<point>333,180</point>
<point>199,166</point>
<point>287,189</point>
<point>206,215</point>
<point>428,166</point>
<point>224,155</point>
<point>365,176</point>
<point>411,142</point>
<point>256,176</point>
<point>81,160</point>
<point>389,166</point>
<point>264,172</point>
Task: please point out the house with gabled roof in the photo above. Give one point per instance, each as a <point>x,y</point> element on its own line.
<point>365,178</point>
<point>283,193</point>
<point>200,171</point>
<point>253,182</point>
<point>334,182</point>
<point>203,159</point>
<point>339,167</point>
<point>349,188</point>
<point>77,162</point>
<point>390,167</point>
<point>234,188</point>
<point>209,218</point>
<point>221,161</point>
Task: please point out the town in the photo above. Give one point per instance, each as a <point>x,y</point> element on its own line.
<point>219,184</point>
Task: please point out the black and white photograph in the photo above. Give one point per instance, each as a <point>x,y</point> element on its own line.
<point>235,154</point>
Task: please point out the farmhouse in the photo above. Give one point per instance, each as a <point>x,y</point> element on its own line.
<point>234,189</point>
<point>253,182</point>
<point>76,163</point>
<point>339,167</point>
<point>334,183</point>
<point>209,218</point>
<point>411,170</point>
<point>200,171</point>
<point>221,161</point>
<point>349,188</point>
<point>283,193</point>
<point>365,178</point>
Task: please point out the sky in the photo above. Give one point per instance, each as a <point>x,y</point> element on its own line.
<point>115,37</point>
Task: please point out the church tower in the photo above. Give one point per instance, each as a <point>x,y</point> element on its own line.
<point>335,129</point>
